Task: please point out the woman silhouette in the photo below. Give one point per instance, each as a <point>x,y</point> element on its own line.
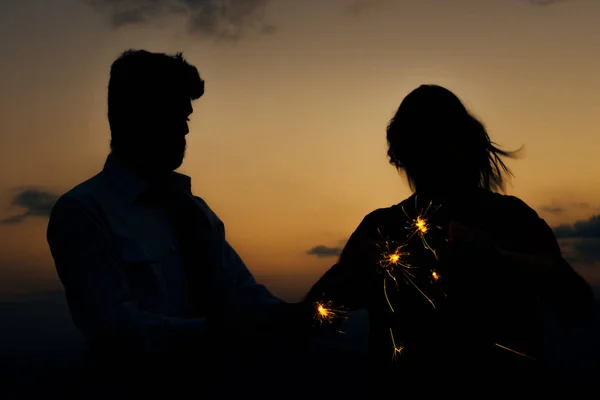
<point>452,277</point>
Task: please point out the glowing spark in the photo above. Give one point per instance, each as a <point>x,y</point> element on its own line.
<point>397,349</point>
<point>420,226</point>
<point>514,351</point>
<point>392,258</point>
<point>326,313</point>
<point>392,261</point>
<point>420,291</point>
<point>386,295</point>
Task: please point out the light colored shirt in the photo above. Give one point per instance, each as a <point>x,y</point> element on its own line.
<point>119,260</point>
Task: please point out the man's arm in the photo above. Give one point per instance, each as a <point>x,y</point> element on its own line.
<point>98,293</point>
<point>245,299</point>
<point>250,304</point>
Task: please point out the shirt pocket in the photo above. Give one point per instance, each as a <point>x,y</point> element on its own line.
<point>145,273</point>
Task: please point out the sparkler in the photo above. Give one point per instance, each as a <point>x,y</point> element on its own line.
<point>513,351</point>
<point>394,265</point>
<point>326,312</point>
<point>393,261</point>
<point>420,225</point>
<point>397,349</point>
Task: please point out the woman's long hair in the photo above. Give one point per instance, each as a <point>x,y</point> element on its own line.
<point>439,145</point>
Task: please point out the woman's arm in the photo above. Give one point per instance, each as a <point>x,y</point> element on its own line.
<point>541,266</point>
<point>346,282</point>
<point>559,285</point>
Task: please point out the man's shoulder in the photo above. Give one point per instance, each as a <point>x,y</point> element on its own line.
<point>85,194</point>
<point>77,206</point>
<point>209,212</point>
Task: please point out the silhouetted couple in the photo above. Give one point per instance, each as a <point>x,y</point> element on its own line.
<point>452,277</point>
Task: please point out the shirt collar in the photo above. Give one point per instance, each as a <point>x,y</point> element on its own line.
<point>131,186</point>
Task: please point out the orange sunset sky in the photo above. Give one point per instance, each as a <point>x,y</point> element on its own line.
<point>288,143</point>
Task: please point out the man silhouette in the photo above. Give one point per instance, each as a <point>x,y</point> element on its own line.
<point>149,276</point>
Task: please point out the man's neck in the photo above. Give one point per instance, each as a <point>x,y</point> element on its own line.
<point>143,170</point>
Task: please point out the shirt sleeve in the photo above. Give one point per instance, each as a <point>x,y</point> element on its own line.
<point>249,298</point>
<point>100,300</point>
<point>247,306</point>
<point>561,287</point>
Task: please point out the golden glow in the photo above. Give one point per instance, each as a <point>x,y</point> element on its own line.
<point>396,349</point>
<point>285,150</point>
<point>326,312</point>
<point>421,224</point>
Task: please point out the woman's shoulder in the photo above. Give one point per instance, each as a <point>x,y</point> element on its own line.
<point>380,214</point>
<point>516,225</point>
<point>485,205</point>
<point>383,215</point>
<point>507,206</point>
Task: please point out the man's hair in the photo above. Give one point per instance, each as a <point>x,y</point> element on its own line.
<point>138,78</point>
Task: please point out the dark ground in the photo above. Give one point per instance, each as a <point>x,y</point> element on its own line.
<point>41,353</point>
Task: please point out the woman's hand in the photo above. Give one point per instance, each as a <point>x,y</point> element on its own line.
<point>461,234</point>
<point>474,261</point>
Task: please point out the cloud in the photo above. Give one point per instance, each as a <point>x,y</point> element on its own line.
<point>545,2</point>
<point>552,209</point>
<point>35,202</point>
<point>580,241</point>
<point>217,19</point>
<point>589,228</point>
<point>561,208</point>
<point>361,7</point>
<point>587,250</point>
<point>323,251</point>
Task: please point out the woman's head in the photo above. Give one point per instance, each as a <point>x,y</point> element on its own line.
<point>440,146</point>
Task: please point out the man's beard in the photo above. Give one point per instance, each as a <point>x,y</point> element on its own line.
<point>174,154</point>
<point>153,156</point>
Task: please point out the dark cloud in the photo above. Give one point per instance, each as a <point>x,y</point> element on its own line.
<point>360,7</point>
<point>552,209</point>
<point>588,250</point>
<point>34,202</point>
<point>589,228</point>
<point>580,241</point>
<point>580,252</point>
<point>324,251</point>
<point>545,2</point>
<point>218,19</point>
<point>562,207</point>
